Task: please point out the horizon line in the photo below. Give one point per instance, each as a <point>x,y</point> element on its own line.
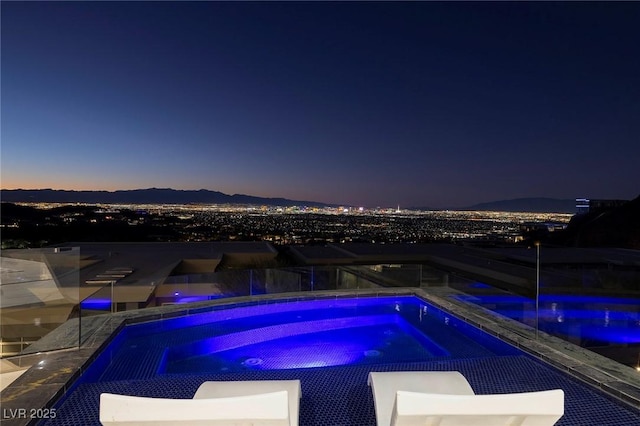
<point>391,205</point>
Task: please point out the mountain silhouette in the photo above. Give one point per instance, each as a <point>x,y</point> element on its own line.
<point>615,227</point>
<point>145,196</point>
<point>531,205</point>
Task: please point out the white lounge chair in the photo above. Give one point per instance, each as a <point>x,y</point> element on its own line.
<point>255,403</point>
<point>446,399</point>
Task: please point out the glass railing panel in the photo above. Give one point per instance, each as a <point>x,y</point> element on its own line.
<point>98,303</point>
<point>188,288</point>
<point>39,293</point>
<point>279,280</point>
<point>590,306</point>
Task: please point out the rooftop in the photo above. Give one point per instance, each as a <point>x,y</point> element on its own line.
<point>54,373</point>
<point>144,271</point>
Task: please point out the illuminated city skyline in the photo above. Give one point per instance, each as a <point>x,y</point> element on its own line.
<point>365,103</point>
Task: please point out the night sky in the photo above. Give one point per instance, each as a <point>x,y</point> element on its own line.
<point>372,104</point>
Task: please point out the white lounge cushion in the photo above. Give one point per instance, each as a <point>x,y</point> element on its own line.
<point>217,389</point>
<point>386,384</point>
<point>409,398</point>
<point>248,403</point>
<point>517,409</point>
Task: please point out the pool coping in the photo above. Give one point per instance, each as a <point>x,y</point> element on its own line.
<point>31,396</point>
<point>613,378</point>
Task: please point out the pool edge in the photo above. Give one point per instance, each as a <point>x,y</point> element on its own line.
<point>54,373</point>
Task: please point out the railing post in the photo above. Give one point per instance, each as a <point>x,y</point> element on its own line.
<point>112,301</point>
<point>537,287</point>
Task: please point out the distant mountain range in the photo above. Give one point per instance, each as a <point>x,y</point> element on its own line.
<point>203,196</point>
<point>618,226</point>
<point>143,196</point>
<point>532,205</point>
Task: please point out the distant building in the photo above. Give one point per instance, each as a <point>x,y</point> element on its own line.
<point>582,205</point>
<point>586,205</point>
<point>528,227</point>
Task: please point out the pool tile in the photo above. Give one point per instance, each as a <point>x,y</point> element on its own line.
<point>340,395</point>
<point>581,399</point>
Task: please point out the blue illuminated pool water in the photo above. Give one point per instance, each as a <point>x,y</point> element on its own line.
<point>354,344</point>
<point>587,320</point>
<point>330,345</point>
<point>300,334</point>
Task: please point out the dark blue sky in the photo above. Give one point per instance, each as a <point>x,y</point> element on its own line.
<point>373,104</point>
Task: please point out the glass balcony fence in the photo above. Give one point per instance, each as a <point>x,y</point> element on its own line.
<point>42,294</point>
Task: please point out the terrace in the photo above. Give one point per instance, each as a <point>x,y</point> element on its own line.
<point>592,380</point>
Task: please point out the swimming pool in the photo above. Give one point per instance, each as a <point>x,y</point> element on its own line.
<point>171,357</point>
<point>585,320</point>
<point>301,334</point>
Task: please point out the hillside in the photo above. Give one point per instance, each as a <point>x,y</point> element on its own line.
<point>533,205</point>
<point>618,227</point>
<point>143,196</point>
